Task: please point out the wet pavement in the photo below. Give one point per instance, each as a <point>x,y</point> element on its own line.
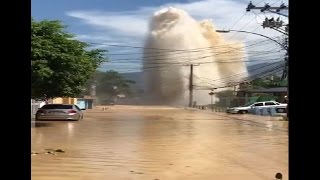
<point>136,142</point>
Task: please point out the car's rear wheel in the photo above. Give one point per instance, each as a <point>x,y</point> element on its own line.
<point>80,117</point>
<point>280,110</point>
<point>243,112</point>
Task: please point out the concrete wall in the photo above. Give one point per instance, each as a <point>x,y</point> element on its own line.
<point>67,100</point>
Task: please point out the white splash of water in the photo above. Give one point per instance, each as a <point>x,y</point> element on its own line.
<point>167,72</point>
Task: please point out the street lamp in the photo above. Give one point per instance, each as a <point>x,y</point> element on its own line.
<point>227,31</point>
<point>283,45</point>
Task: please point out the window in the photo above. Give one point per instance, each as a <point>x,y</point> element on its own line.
<point>56,106</point>
<point>269,103</point>
<point>258,104</point>
<point>77,108</point>
<point>246,105</point>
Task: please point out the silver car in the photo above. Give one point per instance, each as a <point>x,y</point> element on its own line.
<point>59,112</point>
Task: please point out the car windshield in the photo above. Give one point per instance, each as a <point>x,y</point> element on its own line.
<point>57,106</point>
<point>248,104</point>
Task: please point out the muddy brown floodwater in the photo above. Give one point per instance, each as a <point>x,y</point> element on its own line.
<point>132,142</point>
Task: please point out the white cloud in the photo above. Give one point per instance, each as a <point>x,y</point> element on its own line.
<point>135,23</point>
<point>128,25</point>
<point>85,37</point>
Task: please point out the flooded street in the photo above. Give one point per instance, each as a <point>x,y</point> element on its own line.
<point>159,143</point>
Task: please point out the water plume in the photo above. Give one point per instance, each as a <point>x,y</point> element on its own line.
<point>175,41</point>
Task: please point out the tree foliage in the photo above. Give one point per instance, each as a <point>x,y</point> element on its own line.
<point>109,84</point>
<point>60,64</point>
<point>268,82</point>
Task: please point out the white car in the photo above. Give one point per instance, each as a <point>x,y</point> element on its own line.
<point>280,107</point>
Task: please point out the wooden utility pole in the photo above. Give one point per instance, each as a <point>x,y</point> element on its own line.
<point>191,83</point>
<point>211,94</point>
<point>191,86</point>
<point>267,7</point>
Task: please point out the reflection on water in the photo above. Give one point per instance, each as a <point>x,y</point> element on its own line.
<point>151,143</point>
<point>269,125</point>
<point>38,124</point>
<point>70,129</point>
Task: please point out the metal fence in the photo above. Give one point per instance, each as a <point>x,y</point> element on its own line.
<point>231,102</point>
<point>239,101</point>
<point>221,104</point>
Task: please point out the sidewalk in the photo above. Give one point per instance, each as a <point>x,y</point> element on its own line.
<point>270,121</point>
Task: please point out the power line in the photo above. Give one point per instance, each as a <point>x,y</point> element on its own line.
<point>235,75</point>
<point>217,53</point>
<point>186,60</point>
<point>239,75</point>
<point>238,20</point>
<point>161,50</point>
<point>166,66</point>
<point>275,70</point>
<point>204,55</point>
<point>262,74</point>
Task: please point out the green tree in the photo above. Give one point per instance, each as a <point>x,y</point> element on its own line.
<point>269,82</point>
<point>60,65</point>
<point>109,84</point>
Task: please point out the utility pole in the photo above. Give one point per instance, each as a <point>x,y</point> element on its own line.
<point>268,8</point>
<point>211,94</point>
<point>286,59</point>
<point>276,25</point>
<point>191,83</point>
<point>191,86</point>
<point>271,23</point>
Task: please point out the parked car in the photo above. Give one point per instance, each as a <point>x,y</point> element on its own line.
<point>59,112</point>
<point>280,107</point>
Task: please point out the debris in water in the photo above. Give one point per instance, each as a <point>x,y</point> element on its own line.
<point>279,176</point>
<point>49,151</point>
<point>60,150</point>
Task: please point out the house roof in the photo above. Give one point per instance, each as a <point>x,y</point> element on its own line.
<point>268,90</point>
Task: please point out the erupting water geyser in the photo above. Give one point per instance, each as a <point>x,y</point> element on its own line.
<point>175,41</point>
